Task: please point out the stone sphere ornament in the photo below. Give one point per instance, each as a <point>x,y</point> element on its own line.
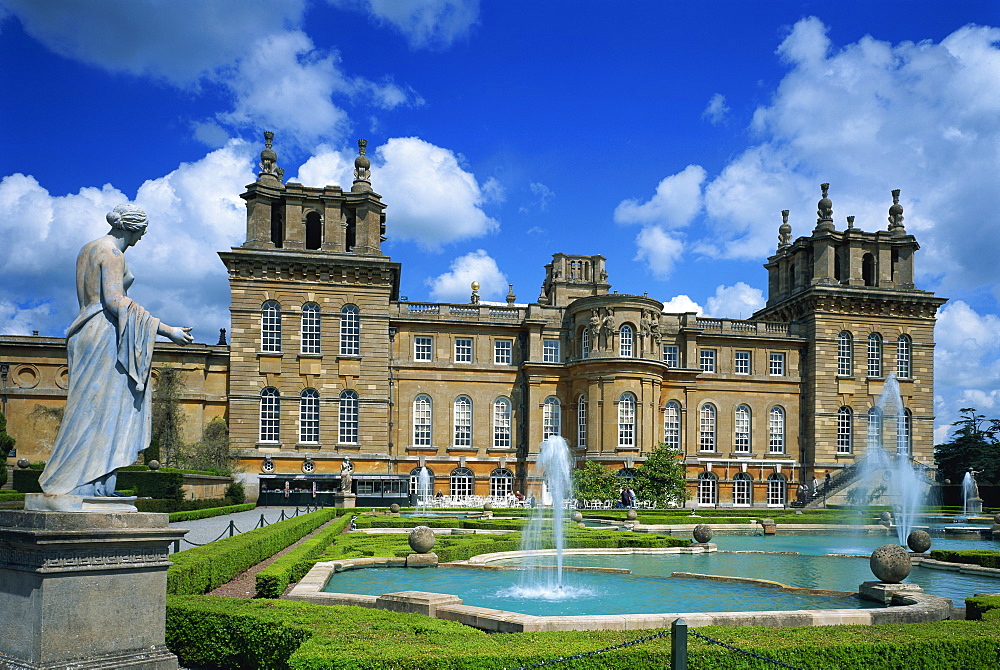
<point>23,463</point>
<point>394,508</point>
<point>885,518</point>
<point>154,465</point>
<point>919,541</point>
<point>702,533</point>
<point>577,517</point>
<point>631,515</point>
<point>421,539</point>
<point>890,563</point>
<point>488,507</point>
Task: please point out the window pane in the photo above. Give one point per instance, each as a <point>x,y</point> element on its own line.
<point>270,326</point>
<point>501,423</point>
<point>707,489</point>
<point>776,431</point>
<point>626,420</point>
<point>672,425</point>
<point>775,490</point>
<point>707,359</point>
<point>350,331</point>
<point>706,428</point>
<point>422,348</point>
<point>269,415</point>
<point>502,352</point>
<point>845,354</point>
<point>581,421</point>
<point>463,422</point>
<point>742,362</point>
<point>550,351</point>
<point>741,439</point>
<point>903,357</point>
<point>844,429</point>
<point>625,341</point>
<point>671,355</point>
<point>309,416</point>
<point>776,364</point>
<point>742,489</point>
<point>422,421</point>
<point>310,328</point>
<point>874,355</point>
<point>551,418</point>
<point>501,482</point>
<point>463,350</point>
<point>348,432</point>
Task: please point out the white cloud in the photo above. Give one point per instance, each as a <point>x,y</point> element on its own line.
<point>676,202</point>
<point>739,301</point>
<point>433,24</point>
<point>494,191</point>
<point>253,49</point>
<point>659,250</point>
<point>717,110</point>
<point>434,201</point>
<point>194,211</point>
<point>327,167</point>
<point>680,304</point>
<point>456,285</point>
<point>968,348</point>
<point>543,194</point>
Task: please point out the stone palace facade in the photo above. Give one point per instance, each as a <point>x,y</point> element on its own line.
<point>326,360</point>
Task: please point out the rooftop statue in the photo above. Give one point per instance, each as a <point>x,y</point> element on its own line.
<point>110,353</point>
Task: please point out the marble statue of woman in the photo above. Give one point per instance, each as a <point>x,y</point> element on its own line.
<point>110,353</point>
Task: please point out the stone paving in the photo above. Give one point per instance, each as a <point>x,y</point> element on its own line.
<point>203,531</point>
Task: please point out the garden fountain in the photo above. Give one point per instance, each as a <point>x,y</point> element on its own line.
<point>900,483</point>
<point>971,502</point>
<point>423,490</point>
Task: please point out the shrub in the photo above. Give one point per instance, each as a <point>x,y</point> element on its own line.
<point>159,485</point>
<point>208,513</point>
<point>275,578</point>
<point>26,481</point>
<point>236,494</point>
<point>978,606</point>
<point>201,569</point>
<point>987,559</point>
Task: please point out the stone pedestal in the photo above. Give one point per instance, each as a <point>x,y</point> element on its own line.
<point>428,560</point>
<point>344,500</point>
<point>84,590</point>
<point>883,592</point>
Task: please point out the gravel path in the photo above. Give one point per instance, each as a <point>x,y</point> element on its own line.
<point>204,531</point>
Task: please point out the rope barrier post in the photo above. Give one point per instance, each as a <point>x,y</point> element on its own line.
<point>232,528</point>
<point>262,522</point>
<point>678,645</point>
<point>282,514</point>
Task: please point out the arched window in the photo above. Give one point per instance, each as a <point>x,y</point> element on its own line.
<point>314,231</point>
<point>501,423</point>
<point>581,421</point>
<point>422,421</point>
<point>874,428</point>
<point>845,430</point>
<point>672,425</point>
<point>868,269</point>
<point>277,227</point>
<point>463,421</point>
<point>904,433</point>
<point>845,354</point>
<point>708,489</point>
<point>874,355</point>
<point>501,483</point>
<point>310,329</point>
<point>775,490</point>
<point>415,483</point>
<point>776,430</point>
<point>585,343</point>
<point>742,490</point>
<point>309,416</point>
<point>350,331</point>
<point>706,427</point>
<point>625,341</point>
<point>462,483</point>
<point>904,349</point>
<point>551,417</point>
<point>270,413</point>
<point>741,433</point>
<point>270,326</point>
<point>626,420</point>
<point>348,428</point>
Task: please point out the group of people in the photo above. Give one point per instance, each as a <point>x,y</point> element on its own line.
<point>803,491</point>
<point>628,497</point>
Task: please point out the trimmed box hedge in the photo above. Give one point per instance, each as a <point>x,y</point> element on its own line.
<point>274,579</point>
<point>978,606</point>
<point>248,634</point>
<point>987,559</point>
<point>201,569</point>
<point>208,513</point>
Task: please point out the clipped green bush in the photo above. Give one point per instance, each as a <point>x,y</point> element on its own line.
<point>977,606</point>
<point>26,481</point>
<point>987,559</point>
<point>159,485</point>
<point>201,569</point>
<point>293,566</point>
<point>195,514</point>
<point>249,634</point>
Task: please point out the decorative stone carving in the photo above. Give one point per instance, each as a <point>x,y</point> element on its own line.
<point>346,470</point>
<point>421,539</point>
<point>896,216</point>
<point>919,541</point>
<point>784,232</point>
<point>890,563</point>
<point>824,213</point>
<point>702,533</point>
<point>362,165</point>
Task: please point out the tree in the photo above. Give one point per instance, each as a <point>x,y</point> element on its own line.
<point>212,452</point>
<point>6,444</point>
<point>595,482</point>
<point>661,477</point>
<point>167,417</point>
<point>974,445</point>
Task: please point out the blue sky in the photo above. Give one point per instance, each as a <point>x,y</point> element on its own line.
<point>667,136</point>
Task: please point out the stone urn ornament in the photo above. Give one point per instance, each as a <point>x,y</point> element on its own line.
<point>421,539</point>
<point>890,563</point>
<point>394,508</point>
<point>702,533</point>
<point>631,515</point>
<point>577,517</point>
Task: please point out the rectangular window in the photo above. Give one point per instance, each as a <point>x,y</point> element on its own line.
<point>423,348</point>
<point>463,349</point>
<point>503,352</point>
<point>350,332</point>
<point>550,351</point>
<point>776,364</point>
<point>707,359</point>
<point>309,418</point>
<point>742,366</point>
<point>671,356</point>
<point>310,331</point>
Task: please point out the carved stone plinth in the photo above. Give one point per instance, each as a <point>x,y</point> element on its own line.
<point>882,592</point>
<point>344,500</point>
<point>86,591</point>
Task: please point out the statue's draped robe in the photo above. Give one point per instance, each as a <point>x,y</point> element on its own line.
<point>107,418</point>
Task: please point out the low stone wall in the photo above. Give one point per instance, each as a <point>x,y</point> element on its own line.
<point>908,608</point>
<point>205,487</point>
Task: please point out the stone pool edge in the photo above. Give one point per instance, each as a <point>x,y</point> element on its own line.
<point>906,608</point>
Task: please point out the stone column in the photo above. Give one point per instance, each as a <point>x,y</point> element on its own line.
<point>85,590</point>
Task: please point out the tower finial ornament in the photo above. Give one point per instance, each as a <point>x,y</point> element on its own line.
<point>269,160</point>
<point>362,171</point>
<point>896,216</point>
<point>784,232</point>
<point>824,211</point>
